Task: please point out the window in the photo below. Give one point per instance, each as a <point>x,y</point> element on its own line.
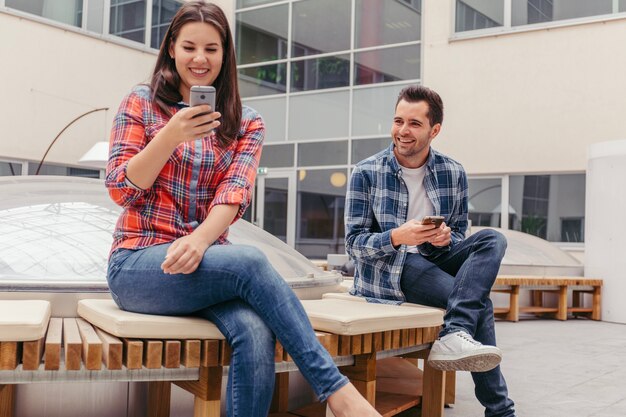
<point>277,156</point>
<point>386,22</point>
<point>320,73</point>
<point>364,148</point>
<point>323,153</point>
<point>128,19</point>
<point>320,208</point>
<point>536,11</point>
<point>49,169</point>
<point>10,169</point>
<point>261,35</point>
<point>484,201</point>
<point>549,206</point>
<point>389,64</point>
<point>163,12</point>
<point>273,112</point>
<point>373,110</point>
<point>316,30</point>
<point>64,11</point>
<point>263,80</point>
<point>478,14</point>
<point>306,111</point>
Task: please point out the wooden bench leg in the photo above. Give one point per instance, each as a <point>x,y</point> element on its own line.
<point>207,391</point>
<point>7,400</point>
<point>433,394</point>
<point>513,314</point>
<point>562,304</point>
<point>596,304</point>
<point>363,375</point>
<point>450,387</point>
<point>159,394</point>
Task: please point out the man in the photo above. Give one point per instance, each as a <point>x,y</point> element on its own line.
<point>400,259</point>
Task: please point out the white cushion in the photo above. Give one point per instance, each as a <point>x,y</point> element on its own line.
<point>106,315</point>
<point>358,299</point>
<point>23,320</point>
<point>346,317</point>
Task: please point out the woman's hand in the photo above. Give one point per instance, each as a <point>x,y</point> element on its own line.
<point>191,123</point>
<point>184,255</point>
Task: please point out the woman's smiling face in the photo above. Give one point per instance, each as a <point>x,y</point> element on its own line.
<point>198,53</point>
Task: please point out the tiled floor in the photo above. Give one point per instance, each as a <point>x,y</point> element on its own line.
<point>575,368</point>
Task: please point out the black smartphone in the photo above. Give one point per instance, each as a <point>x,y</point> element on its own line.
<point>436,220</point>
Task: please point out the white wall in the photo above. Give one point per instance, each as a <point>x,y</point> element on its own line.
<point>525,102</point>
<point>49,77</point>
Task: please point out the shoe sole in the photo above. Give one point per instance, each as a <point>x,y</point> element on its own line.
<point>477,363</point>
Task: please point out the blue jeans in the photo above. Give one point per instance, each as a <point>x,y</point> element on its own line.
<point>460,281</point>
<point>237,289</point>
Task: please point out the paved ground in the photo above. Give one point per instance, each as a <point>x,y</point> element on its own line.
<point>575,368</point>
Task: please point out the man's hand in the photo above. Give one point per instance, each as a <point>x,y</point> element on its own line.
<point>443,238</point>
<point>184,255</point>
<point>414,233</point>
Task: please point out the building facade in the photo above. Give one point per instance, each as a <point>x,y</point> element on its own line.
<point>528,85</point>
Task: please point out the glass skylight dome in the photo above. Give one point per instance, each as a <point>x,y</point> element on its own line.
<point>56,233</point>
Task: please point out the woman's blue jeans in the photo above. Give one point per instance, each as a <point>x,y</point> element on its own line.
<point>460,281</point>
<point>237,289</point>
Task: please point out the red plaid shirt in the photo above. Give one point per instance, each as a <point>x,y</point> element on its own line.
<point>198,175</point>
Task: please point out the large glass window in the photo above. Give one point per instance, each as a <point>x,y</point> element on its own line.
<point>318,116</point>
<point>537,11</point>
<point>64,11</point>
<point>261,35</point>
<point>320,208</point>
<point>273,112</point>
<point>10,169</point>
<point>484,201</point>
<point>364,148</point>
<point>386,22</point>
<point>163,12</point>
<point>373,110</point>
<point>320,73</point>
<point>478,14</point>
<point>323,153</point>
<point>389,64</point>
<point>320,26</point>
<point>263,80</point>
<point>277,156</point>
<point>251,3</point>
<point>128,19</point>
<point>622,6</point>
<point>549,206</point>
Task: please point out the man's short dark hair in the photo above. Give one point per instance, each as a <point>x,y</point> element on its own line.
<point>416,93</point>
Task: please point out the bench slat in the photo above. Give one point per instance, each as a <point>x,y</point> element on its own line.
<point>191,353</point>
<point>171,356</point>
<point>31,354</point>
<point>73,344</point>
<point>8,355</point>
<point>210,352</point>
<point>92,345</point>
<point>133,353</point>
<point>152,354</point>
<point>112,350</point>
<point>52,350</point>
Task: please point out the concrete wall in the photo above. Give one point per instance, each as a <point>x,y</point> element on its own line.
<point>529,101</point>
<point>49,77</point>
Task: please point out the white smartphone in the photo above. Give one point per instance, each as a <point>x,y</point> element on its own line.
<point>202,94</point>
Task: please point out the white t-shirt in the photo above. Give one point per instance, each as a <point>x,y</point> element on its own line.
<point>419,203</point>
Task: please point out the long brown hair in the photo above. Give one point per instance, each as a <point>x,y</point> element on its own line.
<point>166,80</point>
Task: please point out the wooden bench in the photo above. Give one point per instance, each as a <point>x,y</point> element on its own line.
<point>511,284</point>
<point>107,344</point>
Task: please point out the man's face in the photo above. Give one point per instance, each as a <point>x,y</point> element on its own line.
<point>412,133</point>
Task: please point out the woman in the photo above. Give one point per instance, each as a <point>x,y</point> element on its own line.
<point>183,175</point>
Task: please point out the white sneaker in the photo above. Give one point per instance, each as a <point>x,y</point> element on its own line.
<point>458,351</point>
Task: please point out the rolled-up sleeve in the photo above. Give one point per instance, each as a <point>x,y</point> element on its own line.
<point>127,139</point>
<point>236,186</point>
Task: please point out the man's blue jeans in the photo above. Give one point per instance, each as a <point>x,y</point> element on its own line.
<point>237,289</point>
<point>460,281</point>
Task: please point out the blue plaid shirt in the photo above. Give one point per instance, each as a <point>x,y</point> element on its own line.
<point>377,202</point>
